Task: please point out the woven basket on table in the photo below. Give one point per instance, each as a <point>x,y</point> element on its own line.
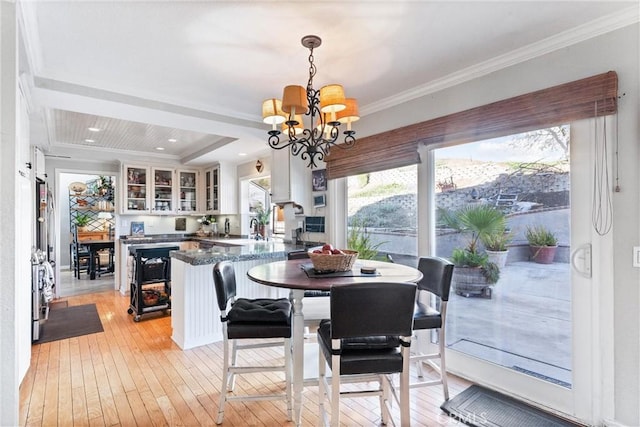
<point>337,262</point>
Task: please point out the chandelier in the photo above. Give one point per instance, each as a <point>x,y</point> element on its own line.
<point>326,108</point>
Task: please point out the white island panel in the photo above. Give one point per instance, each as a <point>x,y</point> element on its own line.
<point>195,316</point>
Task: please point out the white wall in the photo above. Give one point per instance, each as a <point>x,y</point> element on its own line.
<point>9,304</point>
<point>617,51</point>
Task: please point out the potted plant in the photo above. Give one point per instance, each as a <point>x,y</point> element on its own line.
<point>542,244</point>
<point>263,216</point>
<point>82,221</point>
<point>473,273</point>
<point>496,246</point>
<point>207,225</point>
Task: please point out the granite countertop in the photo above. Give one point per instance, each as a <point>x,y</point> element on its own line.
<point>249,250</point>
<point>214,249</point>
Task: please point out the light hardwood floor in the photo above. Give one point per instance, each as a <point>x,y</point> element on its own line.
<point>132,374</point>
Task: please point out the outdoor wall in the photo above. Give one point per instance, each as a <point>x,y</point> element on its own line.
<point>619,354</point>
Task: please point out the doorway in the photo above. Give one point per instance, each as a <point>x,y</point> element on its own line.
<point>86,208</point>
<point>529,336</point>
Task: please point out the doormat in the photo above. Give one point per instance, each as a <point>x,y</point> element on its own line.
<point>480,407</point>
<point>70,322</point>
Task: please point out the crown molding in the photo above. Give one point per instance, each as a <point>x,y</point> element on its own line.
<point>567,38</point>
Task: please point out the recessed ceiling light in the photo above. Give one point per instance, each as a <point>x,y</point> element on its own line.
<point>94,129</point>
<point>89,140</point>
<point>242,154</point>
<point>172,140</point>
<point>159,148</point>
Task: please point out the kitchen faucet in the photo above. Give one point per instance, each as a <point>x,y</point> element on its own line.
<point>253,225</point>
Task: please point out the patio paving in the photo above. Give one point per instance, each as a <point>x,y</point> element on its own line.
<point>526,325</point>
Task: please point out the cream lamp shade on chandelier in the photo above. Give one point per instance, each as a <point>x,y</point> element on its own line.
<point>326,108</point>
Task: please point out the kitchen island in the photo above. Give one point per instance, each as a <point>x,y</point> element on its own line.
<point>195,317</point>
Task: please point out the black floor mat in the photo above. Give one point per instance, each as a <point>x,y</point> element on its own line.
<point>70,322</point>
<point>480,407</point>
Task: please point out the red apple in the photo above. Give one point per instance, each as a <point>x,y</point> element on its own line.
<point>317,251</point>
<point>326,252</point>
<point>337,252</point>
<point>327,247</point>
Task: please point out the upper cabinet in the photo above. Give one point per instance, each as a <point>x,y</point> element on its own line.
<point>287,177</point>
<point>170,191</point>
<point>163,194</point>
<point>136,190</point>
<point>160,190</point>
<point>221,194</point>
<point>188,191</point>
<point>211,180</point>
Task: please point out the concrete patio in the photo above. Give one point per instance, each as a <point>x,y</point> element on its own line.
<point>526,325</point>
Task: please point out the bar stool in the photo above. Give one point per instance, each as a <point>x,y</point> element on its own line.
<point>367,339</point>
<point>436,280</point>
<point>248,319</point>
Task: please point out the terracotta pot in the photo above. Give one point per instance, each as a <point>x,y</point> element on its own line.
<point>543,254</point>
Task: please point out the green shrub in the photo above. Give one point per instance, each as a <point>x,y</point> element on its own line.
<point>360,240</point>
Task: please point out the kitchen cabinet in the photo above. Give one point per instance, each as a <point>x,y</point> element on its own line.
<point>163,193</point>
<point>188,191</point>
<point>136,190</point>
<point>288,177</point>
<point>221,189</point>
<point>160,190</point>
<point>211,195</point>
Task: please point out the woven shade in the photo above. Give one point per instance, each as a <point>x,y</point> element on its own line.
<point>295,98</point>
<point>272,111</point>
<point>541,109</point>
<point>332,99</point>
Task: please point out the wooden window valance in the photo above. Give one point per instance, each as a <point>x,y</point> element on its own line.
<point>553,106</point>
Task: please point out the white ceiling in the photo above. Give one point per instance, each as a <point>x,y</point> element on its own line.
<point>198,71</point>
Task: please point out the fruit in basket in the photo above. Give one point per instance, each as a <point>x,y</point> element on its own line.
<point>330,260</point>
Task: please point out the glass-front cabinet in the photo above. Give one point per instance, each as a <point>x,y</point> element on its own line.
<point>163,194</point>
<point>135,194</point>
<point>188,191</point>
<point>212,198</point>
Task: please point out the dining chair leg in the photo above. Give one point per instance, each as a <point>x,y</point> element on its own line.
<point>385,405</point>
<point>234,363</point>
<point>405,413</point>
<point>322,390</point>
<point>225,380</point>
<point>443,365</point>
<point>335,391</point>
<point>288,376</point>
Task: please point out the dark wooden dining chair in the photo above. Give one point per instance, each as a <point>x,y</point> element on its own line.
<point>247,320</point>
<point>79,254</point>
<point>367,339</point>
<point>431,314</point>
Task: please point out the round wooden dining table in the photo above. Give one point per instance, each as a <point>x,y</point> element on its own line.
<point>298,276</point>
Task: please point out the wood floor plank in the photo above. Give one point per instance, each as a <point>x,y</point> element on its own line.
<point>134,374</point>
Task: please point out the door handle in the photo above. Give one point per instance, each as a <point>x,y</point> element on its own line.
<point>582,252</point>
